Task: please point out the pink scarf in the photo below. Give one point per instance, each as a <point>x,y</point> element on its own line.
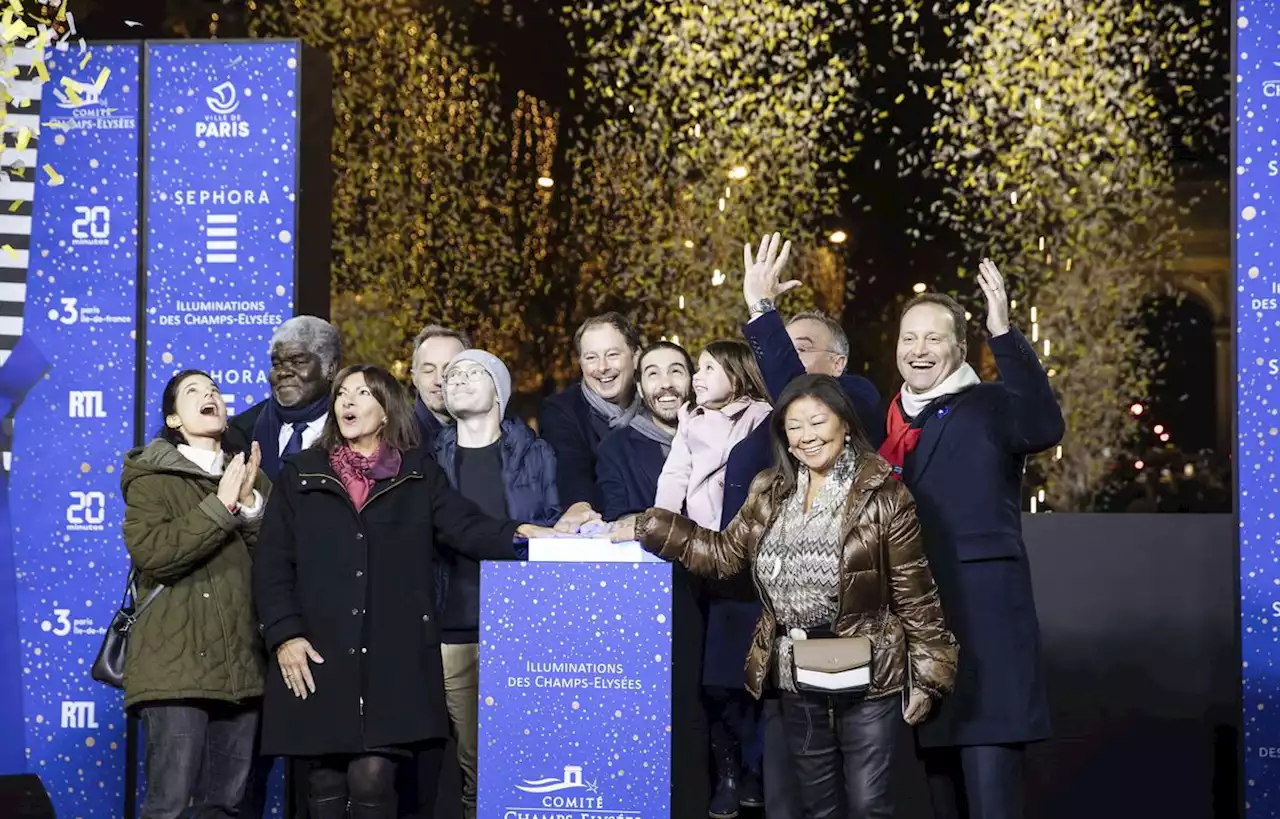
<point>358,473</point>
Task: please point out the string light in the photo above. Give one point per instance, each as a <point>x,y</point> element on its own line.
<point>738,173</point>
<point>919,287</point>
<point>545,182</point>
<point>838,237</point>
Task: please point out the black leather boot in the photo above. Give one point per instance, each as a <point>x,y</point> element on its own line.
<point>374,810</point>
<point>332,807</point>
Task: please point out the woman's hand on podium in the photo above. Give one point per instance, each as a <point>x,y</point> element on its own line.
<point>575,517</point>
<point>528,531</point>
<point>292,655</point>
<point>624,530</point>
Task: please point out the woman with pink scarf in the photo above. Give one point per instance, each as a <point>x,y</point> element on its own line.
<point>344,585</point>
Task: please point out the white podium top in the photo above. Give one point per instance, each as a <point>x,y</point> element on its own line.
<point>587,550</point>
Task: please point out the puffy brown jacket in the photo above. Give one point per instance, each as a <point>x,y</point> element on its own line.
<point>910,645</point>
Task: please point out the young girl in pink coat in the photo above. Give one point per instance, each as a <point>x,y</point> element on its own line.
<point>730,402</point>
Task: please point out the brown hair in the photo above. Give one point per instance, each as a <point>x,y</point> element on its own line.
<point>401,429</point>
<point>958,321</point>
<point>735,358</point>
<point>617,321</point>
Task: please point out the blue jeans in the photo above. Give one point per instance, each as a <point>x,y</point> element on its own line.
<point>842,748</point>
<point>198,752</point>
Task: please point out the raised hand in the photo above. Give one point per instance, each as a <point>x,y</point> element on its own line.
<point>250,474</point>
<point>992,284</point>
<point>232,480</point>
<point>761,279</point>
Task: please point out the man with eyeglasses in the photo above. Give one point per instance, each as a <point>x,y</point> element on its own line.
<point>811,342</point>
<point>503,468</point>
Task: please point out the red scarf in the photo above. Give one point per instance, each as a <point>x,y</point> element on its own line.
<point>358,473</point>
<point>900,439</point>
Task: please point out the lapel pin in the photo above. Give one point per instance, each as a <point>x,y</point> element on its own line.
<point>942,413</point>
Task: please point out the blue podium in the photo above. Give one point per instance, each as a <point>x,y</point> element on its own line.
<point>575,690</point>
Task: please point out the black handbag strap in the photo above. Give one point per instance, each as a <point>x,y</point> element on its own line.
<point>131,594</point>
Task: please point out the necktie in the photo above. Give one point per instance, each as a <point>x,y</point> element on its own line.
<point>295,440</point>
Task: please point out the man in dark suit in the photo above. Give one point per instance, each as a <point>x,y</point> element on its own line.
<point>810,343</point>
<point>961,446</point>
<point>577,419</point>
<point>433,349</point>
<point>631,458</point>
<point>305,352</point>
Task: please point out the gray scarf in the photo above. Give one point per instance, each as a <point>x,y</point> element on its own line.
<point>644,424</point>
<point>609,411</point>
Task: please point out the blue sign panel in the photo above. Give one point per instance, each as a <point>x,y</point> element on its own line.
<point>77,422</point>
<point>221,167</point>
<point>575,691</point>
<point>1257,222</point>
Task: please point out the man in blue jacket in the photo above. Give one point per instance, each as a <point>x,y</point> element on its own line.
<point>501,467</point>
<point>577,419</point>
<point>810,343</point>
<point>631,458</point>
<point>961,447</point>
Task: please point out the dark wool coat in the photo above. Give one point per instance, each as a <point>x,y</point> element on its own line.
<point>966,476</point>
<point>361,586</point>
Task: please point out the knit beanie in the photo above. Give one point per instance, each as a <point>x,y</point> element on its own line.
<point>496,370</point>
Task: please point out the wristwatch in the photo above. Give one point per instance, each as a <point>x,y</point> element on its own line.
<point>763,306</point>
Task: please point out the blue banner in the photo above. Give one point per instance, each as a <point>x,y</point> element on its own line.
<point>222,122</point>
<point>77,422</point>
<point>1257,221</point>
<point>575,691</point>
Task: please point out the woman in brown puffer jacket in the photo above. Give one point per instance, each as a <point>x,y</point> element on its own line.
<point>195,662</point>
<point>833,544</point>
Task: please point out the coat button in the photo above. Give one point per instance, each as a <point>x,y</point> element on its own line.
<point>359,535</point>
<point>364,651</point>
<point>206,595</point>
<point>351,651</point>
<point>201,653</point>
<point>426,618</point>
<point>304,483</point>
<point>359,573</point>
<point>355,611</point>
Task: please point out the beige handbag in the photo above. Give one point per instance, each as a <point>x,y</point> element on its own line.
<point>832,665</point>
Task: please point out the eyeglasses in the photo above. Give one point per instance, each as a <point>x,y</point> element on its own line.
<point>467,376</point>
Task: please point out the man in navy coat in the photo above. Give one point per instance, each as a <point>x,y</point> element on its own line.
<point>630,459</point>
<point>810,342</point>
<point>577,419</point>
<point>961,446</point>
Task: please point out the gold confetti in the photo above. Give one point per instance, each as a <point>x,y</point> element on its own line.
<point>85,59</point>
<point>24,137</point>
<point>9,249</point>
<point>55,179</point>
<point>101,82</point>
<point>42,70</point>
<point>15,205</point>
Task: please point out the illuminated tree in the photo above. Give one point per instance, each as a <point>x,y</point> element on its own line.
<point>1055,152</point>
<point>437,210</point>
<point>706,124</point>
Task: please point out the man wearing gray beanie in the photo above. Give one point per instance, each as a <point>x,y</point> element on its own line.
<point>498,464</point>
